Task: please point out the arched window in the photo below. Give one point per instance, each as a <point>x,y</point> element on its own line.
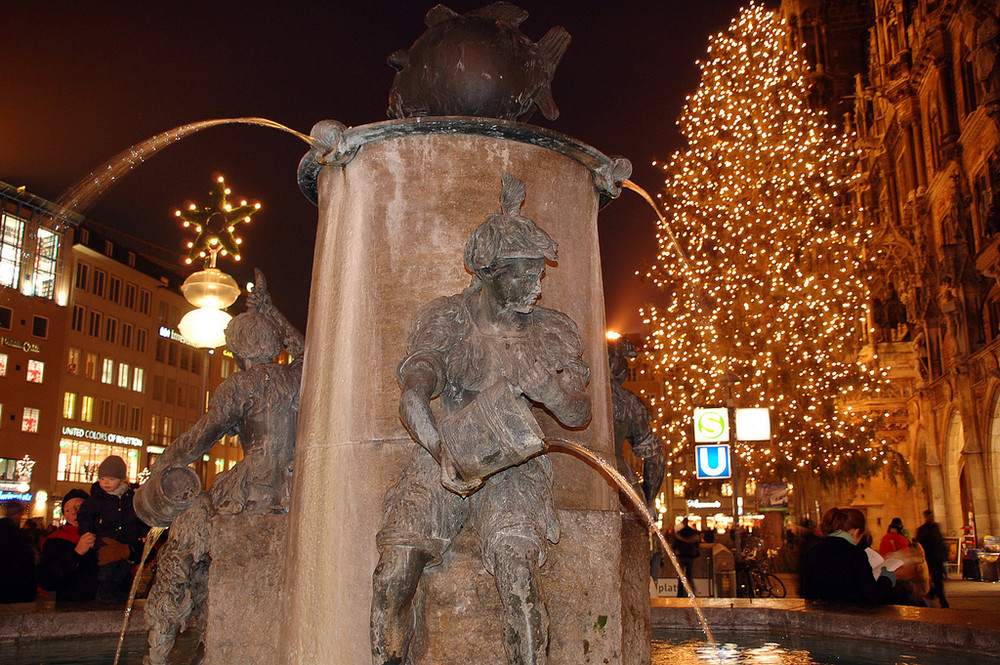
<point>953,471</point>
<point>993,446</point>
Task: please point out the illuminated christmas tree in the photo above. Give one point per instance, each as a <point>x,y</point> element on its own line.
<point>767,281</point>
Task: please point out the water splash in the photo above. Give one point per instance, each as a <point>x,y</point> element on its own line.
<point>640,506</point>
<point>628,184</point>
<point>151,538</point>
<point>85,191</point>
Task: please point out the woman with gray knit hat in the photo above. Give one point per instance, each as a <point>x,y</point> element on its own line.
<point>109,515</point>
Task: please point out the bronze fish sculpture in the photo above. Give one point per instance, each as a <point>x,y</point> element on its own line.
<point>477,64</point>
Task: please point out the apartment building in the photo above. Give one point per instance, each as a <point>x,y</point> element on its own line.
<point>91,362</point>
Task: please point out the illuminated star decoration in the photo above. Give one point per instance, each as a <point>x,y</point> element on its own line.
<point>216,225</point>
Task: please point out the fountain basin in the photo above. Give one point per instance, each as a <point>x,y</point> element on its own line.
<point>973,632</point>
<point>36,632</point>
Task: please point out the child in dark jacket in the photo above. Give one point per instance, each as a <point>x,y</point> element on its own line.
<point>109,515</point>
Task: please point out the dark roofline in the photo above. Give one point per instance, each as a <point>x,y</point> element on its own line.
<point>38,205</point>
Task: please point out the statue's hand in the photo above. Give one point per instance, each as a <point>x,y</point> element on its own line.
<point>540,385</point>
<point>451,480</point>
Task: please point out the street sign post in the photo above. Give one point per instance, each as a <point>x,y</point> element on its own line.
<point>724,426</point>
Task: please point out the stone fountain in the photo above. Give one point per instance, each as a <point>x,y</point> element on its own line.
<point>397,202</point>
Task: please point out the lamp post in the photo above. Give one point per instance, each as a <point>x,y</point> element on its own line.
<point>730,380</point>
<point>210,290</point>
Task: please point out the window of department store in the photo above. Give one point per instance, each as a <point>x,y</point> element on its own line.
<point>43,278</point>
<point>11,237</point>
<point>79,459</point>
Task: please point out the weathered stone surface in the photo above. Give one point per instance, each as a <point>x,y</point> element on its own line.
<point>393,224</point>
<point>244,619</point>
<point>636,627</point>
<point>44,620</point>
<point>581,586</point>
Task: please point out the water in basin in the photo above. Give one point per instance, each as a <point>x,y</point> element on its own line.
<point>682,647</point>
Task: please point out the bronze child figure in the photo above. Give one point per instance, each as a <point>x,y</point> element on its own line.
<point>489,347</point>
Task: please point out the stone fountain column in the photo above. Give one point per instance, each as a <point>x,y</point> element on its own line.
<point>397,202</point>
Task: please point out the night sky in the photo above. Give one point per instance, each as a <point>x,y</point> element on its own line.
<point>82,81</point>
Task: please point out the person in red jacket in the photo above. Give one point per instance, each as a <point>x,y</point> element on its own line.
<point>69,563</point>
<point>894,540</point>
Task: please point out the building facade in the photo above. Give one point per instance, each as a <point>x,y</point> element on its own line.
<point>91,363</point>
<point>34,292</point>
<point>926,113</point>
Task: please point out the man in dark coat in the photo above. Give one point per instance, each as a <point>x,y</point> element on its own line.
<point>688,548</point>
<point>69,563</point>
<point>17,560</point>
<point>930,538</point>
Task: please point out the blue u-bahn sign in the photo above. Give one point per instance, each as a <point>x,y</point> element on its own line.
<point>712,462</point>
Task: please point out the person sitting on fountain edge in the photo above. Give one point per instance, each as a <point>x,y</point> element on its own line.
<point>837,570</point>
<point>458,347</point>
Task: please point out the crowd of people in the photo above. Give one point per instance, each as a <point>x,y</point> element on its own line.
<point>838,561</point>
<point>839,564</point>
<point>90,557</point>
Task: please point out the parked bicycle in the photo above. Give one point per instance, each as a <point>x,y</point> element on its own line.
<point>755,576</point>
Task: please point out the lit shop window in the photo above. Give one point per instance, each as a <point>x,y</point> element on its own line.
<point>108,371</point>
<point>43,279</point>
<point>123,375</point>
<point>29,420</point>
<point>3,364</point>
<point>69,405</point>
<point>79,459</point>
<point>11,235</point>
<point>36,368</point>
<point>87,409</point>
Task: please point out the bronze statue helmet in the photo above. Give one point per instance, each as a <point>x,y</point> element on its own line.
<point>508,235</point>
